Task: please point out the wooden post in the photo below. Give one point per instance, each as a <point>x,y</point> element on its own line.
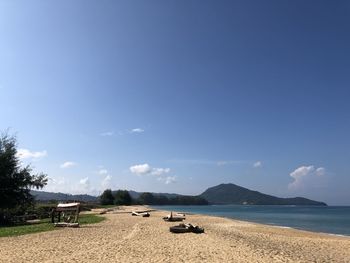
<point>76,215</point>
<point>53,215</point>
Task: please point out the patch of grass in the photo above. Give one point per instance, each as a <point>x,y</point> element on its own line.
<point>90,219</point>
<point>44,225</point>
<point>26,229</point>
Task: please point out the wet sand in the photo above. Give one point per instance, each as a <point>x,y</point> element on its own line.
<point>126,238</point>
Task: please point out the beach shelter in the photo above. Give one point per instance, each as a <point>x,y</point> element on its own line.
<point>68,213</point>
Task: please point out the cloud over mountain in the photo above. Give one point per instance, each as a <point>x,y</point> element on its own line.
<point>306,176</point>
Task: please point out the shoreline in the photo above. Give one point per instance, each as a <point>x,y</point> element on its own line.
<point>125,238</point>
<point>256,222</point>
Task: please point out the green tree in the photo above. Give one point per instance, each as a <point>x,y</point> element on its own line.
<point>122,197</point>
<point>15,181</point>
<point>107,197</point>
<point>146,199</point>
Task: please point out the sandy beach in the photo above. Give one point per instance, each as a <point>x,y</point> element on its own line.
<point>126,238</point>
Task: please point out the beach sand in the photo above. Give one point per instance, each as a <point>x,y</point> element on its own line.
<point>126,238</point>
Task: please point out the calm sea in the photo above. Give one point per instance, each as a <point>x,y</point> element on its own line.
<point>329,219</point>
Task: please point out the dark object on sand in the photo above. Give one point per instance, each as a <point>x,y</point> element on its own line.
<point>185,228</point>
<point>173,219</point>
<point>63,224</point>
<point>143,214</point>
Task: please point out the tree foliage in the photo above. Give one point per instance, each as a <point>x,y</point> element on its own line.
<point>146,199</point>
<point>122,197</point>
<point>107,197</point>
<point>15,181</point>
<point>156,199</point>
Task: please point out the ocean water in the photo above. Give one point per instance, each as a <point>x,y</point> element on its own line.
<point>326,219</point>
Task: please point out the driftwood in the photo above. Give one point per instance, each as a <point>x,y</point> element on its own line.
<point>143,214</point>
<point>174,218</point>
<point>63,224</point>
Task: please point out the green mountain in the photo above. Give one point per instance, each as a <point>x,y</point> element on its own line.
<point>48,196</point>
<point>234,194</point>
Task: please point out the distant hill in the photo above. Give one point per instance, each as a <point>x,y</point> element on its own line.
<point>136,195</point>
<point>234,194</point>
<point>47,196</point>
<point>166,199</point>
<point>220,194</point>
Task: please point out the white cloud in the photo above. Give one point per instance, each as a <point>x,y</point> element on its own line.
<point>64,185</point>
<point>85,184</point>
<point>227,162</point>
<point>167,179</point>
<point>320,171</point>
<point>107,133</point>
<point>137,130</point>
<point>170,179</point>
<point>146,169</point>
<point>257,164</point>
<point>84,181</point>
<point>68,164</point>
<point>141,169</point>
<point>102,171</point>
<point>160,171</point>
<point>57,185</point>
<point>305,176</point>
<point>57,182</point>
<point>27,154</point>
<point>106,182</point>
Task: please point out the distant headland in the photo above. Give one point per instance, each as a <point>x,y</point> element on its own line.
<point>222,194</point>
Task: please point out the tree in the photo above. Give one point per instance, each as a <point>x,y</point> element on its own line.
<point>15,180</point>
<point>122,197</point>
<point>107,197</point>
<point>147,199</point>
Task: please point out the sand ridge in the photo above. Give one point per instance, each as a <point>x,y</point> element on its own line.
<point>126,238</point>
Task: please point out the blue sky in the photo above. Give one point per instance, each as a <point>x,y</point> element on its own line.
<point>178,96</point>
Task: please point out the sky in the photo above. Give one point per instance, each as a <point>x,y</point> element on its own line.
<point>179,96</point>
